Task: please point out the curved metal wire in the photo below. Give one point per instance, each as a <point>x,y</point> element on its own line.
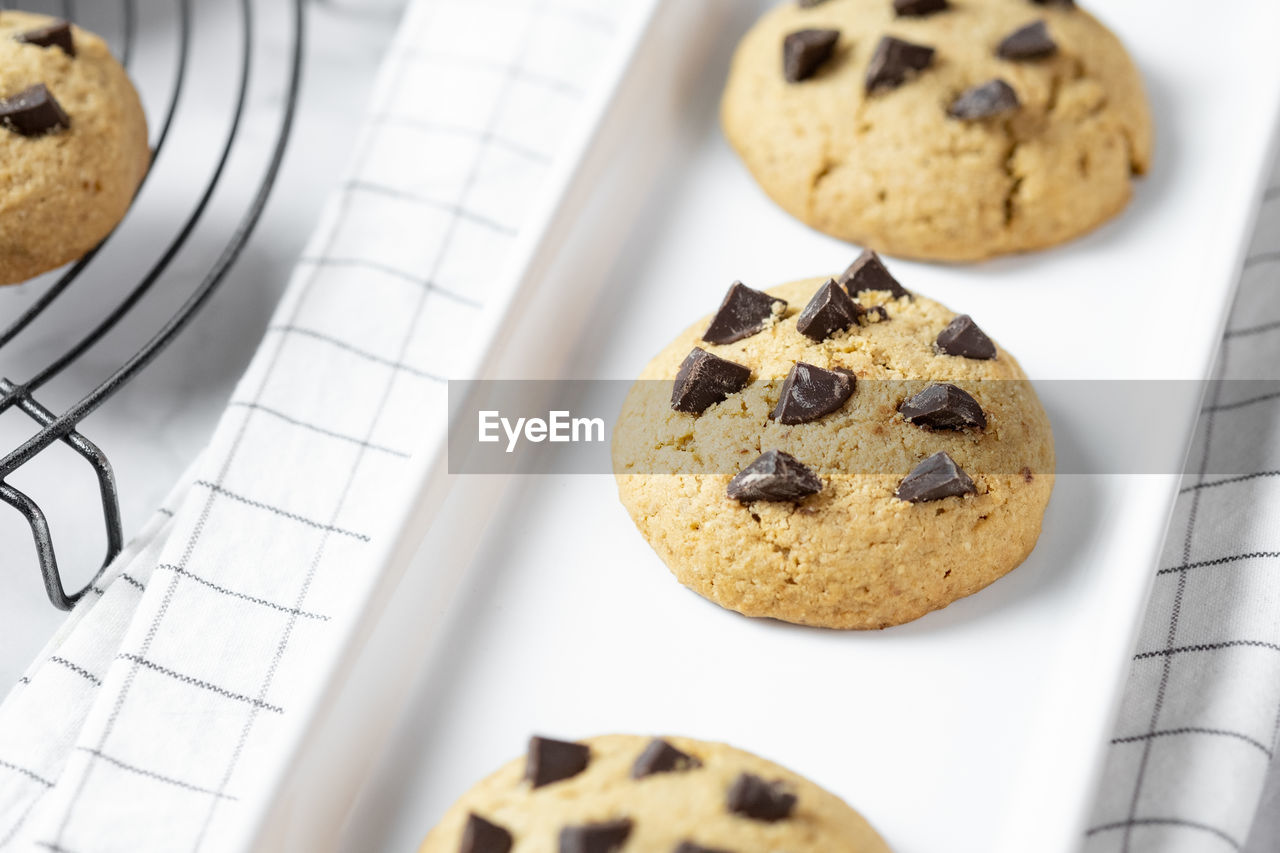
<point>55,428</point>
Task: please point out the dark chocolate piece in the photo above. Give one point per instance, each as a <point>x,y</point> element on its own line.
<point>992,98</point>
<point>1069,4</point>
<point>812,392</point>
<point>933,479</point>
<point>829,311</point>
<point>753,797</point>
<point>481,836</point>
<point>879,312</point>
<point>944,406</point>
<point>554,760</point>
<point>918,8</point>
<point>962,337</point>
<point>1030,42</point>
<point>690,847</point>
<point>868,272</point>
<point>661,757</point>
<point>704,380</point>
<point>595,837</point>
<point>894,61</point>
<point>33,112</point>
<point>55,35</point>
<point>805,51</point>
<point>774,476</point>
<point>743,313</point>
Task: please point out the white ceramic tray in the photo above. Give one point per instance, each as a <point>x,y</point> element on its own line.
<point>978,728</point>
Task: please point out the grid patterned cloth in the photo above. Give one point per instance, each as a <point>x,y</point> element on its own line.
<point>173,687</point>
<point>1201,712</point>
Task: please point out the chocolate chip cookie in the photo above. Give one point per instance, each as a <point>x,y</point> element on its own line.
<point>629,794</point>
<point>939,129</point>
<point>835,452</point>
<point>73,143</point>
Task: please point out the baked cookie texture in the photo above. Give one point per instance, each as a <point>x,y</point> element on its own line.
<point>62,192</point>
<point>665,809</point>
<point>893,171</point>
<point>854,555</point>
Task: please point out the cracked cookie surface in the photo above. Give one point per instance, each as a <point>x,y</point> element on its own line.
<point>892,171</point>
<point>853,555</point>
<point>62,191</point>
<point>678,808</point>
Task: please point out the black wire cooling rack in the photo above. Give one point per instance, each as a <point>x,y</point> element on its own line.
<point>152,277</point>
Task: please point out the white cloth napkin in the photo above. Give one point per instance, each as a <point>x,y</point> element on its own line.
<point>1201,711</point>
<point>175,684</point>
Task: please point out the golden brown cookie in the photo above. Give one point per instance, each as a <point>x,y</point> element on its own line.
<point>724,491</point>
<point>915,168</point>
<point>630,794</point>
<point>71,153</point>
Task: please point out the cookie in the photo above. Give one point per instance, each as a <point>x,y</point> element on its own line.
<point>948,131</point>
<point>73,143</point>
<point>644,795</point>
<point>882,458</point>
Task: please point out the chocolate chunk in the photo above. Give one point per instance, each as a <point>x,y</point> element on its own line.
<point>595,837</point>
<point>1069,4</point>
<point>743,313</point>
<point>753,797</point>
<point>1029,42</point>
<point>805,51</point>
<point>661,757</point>
<point>992,98</point>
<point>554,760</point>
<point>894,61</point>
<point>879,312</point>
<point>944,406</point>
<point>704,380</point>
<point>55,35</point>
<point>690,847</point>
<point>774,476</point>
<point>918,8</point>
<point>933,479</point>
<point>962,337</point>
<point>868,272</point>
<point>812,392</point>
<point>33,112</point>
<point>480,836</point>
<point>829,311</point>
<point>1027,476</point>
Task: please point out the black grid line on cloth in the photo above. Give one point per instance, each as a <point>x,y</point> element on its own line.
<point>1198,730</point>
<point>1129,825</point>
<point>291,329</point>
<point>198,682</point>
<point>1249,401</point>
<point>283,513</point>
<point>319,430</point>
<point>77,669</point>
<point>133,582</point>
<point>458,211</point>
<point>22,771</point>
<point>385,269</point>
<point>1208,647</point>
<point>1176,610</point>
<point>427,126</point>
<point>441,254</point>
<point>55,848</point>
<point>150,774</point>
<point>1228,481</point>
<point>1221,561</point>
<point>252,599</point>
<point>1253,330</point>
